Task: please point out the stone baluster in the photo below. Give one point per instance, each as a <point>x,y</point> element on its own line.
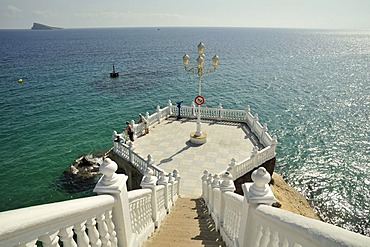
<point>193,107</point>
<point>149,161</point>
<point>159,114</point>
<point>171,181</point>
<point>93,233</point>
<point>82,238</point>
<point>215,186</point>
<point>255,120</point>
<point>264,131</point>
<point>247,113</point>
<point>231,169</point>
<point>177,177</point>
<point>169,104</point>
<point>226,185</point>
<point>115,185</point>
<point>131,149</point>
<point>66,236</point>
<point>274,142</point>
<point>209,191</point>
<point>103,231</point>
<point>164,181</point>
<point>220,111</point>
<point>50,240</point>
<point>255,193</point>
<point>204,186</point>
<point>149,181</point>
<point>111,230</point>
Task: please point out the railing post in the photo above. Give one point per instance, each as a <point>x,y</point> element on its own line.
<point>231,168</point>
<point>220,112</point>
<point>264,131</point>
<point>171,181</point>
<point>255,120</point>
<point>209,191</point>
<point>254,156</point>
<point>133,128</point>
<point>169,104</point>
<point>215,187</point>
<point>149,161</point>
<point>159,114</point>
<point>115,185</point>
<point>204,186</point>
<point>163,181</point>
<point>274,142</point>
<point>177,177</point>
<point>226,185</point>
<point>149,181</point>
<point>255,193</point>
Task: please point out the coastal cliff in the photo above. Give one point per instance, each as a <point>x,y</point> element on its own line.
<point>38,26</point>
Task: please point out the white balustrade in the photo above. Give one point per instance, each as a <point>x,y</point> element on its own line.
<point>251,221</point>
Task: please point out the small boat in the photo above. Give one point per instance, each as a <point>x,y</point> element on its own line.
<point>114,74</point>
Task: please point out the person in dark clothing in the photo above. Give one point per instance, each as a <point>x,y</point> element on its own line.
<point>130,131</point>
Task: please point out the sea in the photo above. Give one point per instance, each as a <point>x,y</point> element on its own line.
<point>311,87</point>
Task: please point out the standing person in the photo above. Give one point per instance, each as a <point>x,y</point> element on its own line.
<point>145,122</point>
<point>130,131</point>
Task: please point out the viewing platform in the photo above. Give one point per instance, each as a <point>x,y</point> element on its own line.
<point>169,145</point>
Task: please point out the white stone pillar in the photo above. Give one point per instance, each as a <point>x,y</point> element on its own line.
<point>220,112</point>
<point>204,186</point>
<point>149,161</point>
<point>149,181</point>
<point>171,181</point>
<point>215,189</point>
<point>169,104</point>
<point>231,167</point>
<point>255,120</point>
<point>177,178</point>
<point>115,185</point>
<point>209,191</point>
<point>227,184</point>
<point>164,181</point>
<point>255,193</point>
<point>134,128</point>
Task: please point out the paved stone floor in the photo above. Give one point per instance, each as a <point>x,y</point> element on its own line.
<point>170,146</point>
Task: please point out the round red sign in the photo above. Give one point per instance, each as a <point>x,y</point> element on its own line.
<point>199,100</point>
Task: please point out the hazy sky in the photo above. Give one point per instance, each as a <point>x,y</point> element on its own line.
<point>338,14</point>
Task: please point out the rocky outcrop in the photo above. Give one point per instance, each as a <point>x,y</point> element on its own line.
<point>38,26</point>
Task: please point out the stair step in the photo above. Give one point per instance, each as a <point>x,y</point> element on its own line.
<point>188,224</point>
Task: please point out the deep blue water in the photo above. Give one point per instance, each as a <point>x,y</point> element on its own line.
<point>312,88</point>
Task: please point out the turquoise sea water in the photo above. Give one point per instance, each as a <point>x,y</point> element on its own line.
<point>312,88</point>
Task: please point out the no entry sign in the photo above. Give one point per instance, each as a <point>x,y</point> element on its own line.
<point>199,100</point>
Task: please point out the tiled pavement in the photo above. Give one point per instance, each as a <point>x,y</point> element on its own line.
<point>170,146</point>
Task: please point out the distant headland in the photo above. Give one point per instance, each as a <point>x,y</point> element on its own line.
<point>38,26</point>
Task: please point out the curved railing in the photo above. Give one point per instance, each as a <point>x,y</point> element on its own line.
<point>250,220</point>
<point>127,153</point>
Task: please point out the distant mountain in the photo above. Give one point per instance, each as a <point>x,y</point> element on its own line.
<point>38,26</point>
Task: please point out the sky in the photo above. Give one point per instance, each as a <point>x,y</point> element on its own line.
<point>322,14</point>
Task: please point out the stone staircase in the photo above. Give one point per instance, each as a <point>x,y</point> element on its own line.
<point>188,224</point>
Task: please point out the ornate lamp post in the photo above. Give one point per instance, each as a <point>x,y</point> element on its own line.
<point>198,137</point>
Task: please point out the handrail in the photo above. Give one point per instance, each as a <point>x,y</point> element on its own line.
<point>251,221</point>
<point>274,224</point>
<point>37,223</point>
<point>116,217</point>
